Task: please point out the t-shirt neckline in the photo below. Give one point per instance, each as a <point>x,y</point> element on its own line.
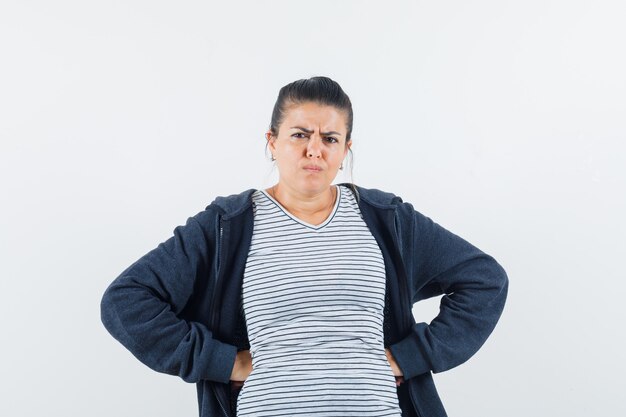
<point>302,222</point>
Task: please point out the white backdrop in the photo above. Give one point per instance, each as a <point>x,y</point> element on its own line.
<point>503,121</point>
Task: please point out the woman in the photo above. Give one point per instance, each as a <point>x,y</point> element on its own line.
<point>297,299</point>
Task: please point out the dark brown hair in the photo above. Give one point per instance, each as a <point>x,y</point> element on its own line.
<point>320,90</point>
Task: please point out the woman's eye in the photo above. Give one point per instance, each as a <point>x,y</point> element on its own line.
<point>330,139</point>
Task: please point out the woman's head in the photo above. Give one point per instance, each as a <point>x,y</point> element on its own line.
<point>309,135</point>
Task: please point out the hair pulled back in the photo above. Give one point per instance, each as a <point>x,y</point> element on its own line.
<point>320,90</point>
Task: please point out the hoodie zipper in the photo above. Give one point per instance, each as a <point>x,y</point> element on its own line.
<point>218,246</point>
<point>406,302</point>
<point>401,272</point>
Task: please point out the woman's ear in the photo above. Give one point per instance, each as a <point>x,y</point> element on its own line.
<point>270,140</point>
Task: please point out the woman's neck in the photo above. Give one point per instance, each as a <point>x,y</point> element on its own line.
<point>305,205</point>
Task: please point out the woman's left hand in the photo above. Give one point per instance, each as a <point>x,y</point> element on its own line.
<point>394,367</point>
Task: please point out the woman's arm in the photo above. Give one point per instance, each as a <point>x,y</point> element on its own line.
<point>474,288</point>
<point>140,307</point>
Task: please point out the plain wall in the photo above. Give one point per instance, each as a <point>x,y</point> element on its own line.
<point>503,121</point>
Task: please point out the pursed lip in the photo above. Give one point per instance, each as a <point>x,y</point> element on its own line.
<point>313,167</point>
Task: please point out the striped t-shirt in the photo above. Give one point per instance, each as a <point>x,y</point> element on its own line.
<point>313,299</point>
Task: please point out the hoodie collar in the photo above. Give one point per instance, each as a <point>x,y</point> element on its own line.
<point>234,204</point>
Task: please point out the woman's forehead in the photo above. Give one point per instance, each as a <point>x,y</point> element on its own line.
<point>315,115</point>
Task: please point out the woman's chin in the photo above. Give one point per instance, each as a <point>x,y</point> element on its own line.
<point>315,186</point>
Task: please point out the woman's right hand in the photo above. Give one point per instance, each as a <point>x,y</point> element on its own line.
<point>242,368</point>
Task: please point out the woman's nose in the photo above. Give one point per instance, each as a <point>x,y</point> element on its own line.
<point>314,147</point>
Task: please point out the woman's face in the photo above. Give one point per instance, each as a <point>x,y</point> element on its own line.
<point>310,147</point>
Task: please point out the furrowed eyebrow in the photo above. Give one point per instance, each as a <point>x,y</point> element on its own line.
<point>332,132</point>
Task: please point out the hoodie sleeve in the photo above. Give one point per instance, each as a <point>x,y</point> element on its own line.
<point>474,288</point>
<point>141,307</point>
